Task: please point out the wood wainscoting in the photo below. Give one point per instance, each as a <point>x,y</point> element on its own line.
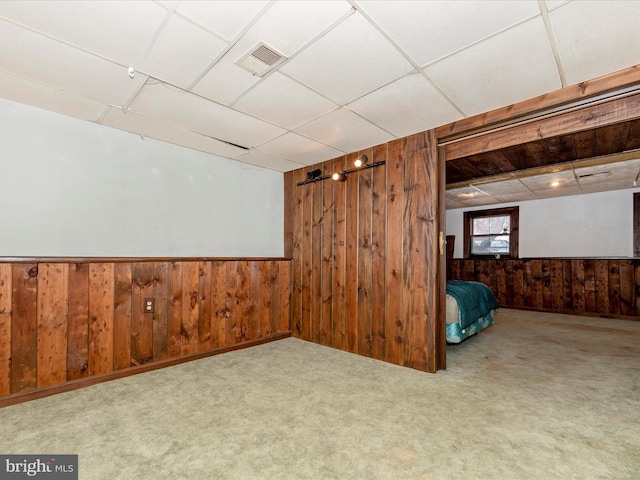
<point>66,323</point>
<point>606,287</point>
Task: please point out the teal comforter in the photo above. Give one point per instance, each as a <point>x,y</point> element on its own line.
<point>474,299</point>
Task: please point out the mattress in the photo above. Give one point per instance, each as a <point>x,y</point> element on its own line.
<point>455,333</point>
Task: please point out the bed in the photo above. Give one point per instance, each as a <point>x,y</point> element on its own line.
<point>470,308</point>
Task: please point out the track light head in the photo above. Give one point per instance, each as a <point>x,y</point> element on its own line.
<point>314,174</point>
<point>341,177</point>
<point>361,160</point>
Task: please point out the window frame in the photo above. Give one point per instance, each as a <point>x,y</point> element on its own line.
<point>512,212</point>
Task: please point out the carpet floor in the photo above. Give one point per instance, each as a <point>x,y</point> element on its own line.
<point>535,396</point>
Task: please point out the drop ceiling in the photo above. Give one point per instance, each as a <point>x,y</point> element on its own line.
<point>354,73</point>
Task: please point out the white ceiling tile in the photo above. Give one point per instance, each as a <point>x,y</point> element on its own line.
<point>182,52</point>
<point>515,197</point>
<point>406,106</point>
<point>225,17</point>
<point>117,30</point>
<point>452,204</point>
<point>33,56</point>
<point>354,52</point>
<point>502,188</point>
<point>43,96</point>
<point>607,186</point>
<point>565,179</point>
<point>261,159</point>
<point>177,107</point>
<point>283,101</point>
<point>507,68</point>
<point>286,27</point>
<point>299,149</point>
<point>344,130</point>
<point>624,172</point>
<point>430,30</point>
<point>148,127</point>
<point>558,192</point>
<point>603,40</point>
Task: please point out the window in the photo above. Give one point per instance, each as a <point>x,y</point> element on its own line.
<point>491,233</point>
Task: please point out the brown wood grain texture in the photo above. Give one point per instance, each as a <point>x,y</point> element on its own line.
<point>289,213</point>
<point>174,309</point>
<point>78,324</point>
<point>232,326</point>
<point>597,86</point>
<point>160,330</point>
<point>5,328</point>
<point>394,292</point>
<point>307,261</point>
<point>599,115</point>
<point>365,261</point>
<point>24,327</point>
<point>604,287</point>
<point>295,207</point>
<point>52,323</point>
<point>415,253</point>
<point>204,310</point>
<point>255,300</point>
<point>67,321</point>
<point>190,307</point>
<point>122,316</point>
<point>284,290</point>
<point>218,304</point>
<point>243,304</point>
<point>141,322</point>
<point>351,259</point>
<point>378,244</point>
<point>101,317</point>
<point>326,262</point>
<point>315,283</point>
<point>339,329</point>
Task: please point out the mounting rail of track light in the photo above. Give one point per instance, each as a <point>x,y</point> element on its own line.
<point>360,164</point>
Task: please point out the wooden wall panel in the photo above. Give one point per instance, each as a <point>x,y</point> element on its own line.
<point>52,332</point>
<point>603,287</point>
<point>365,254</point>
<point>5,329</point>
<point>24,327</point>
<point>72,320</point>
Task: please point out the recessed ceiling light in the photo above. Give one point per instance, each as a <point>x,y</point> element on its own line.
<point>555,183</point>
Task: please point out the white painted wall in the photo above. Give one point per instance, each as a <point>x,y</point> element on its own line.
<point>74,188</point>
<point>593,225</point>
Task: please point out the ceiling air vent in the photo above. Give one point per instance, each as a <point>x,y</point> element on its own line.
<point>261,59</point>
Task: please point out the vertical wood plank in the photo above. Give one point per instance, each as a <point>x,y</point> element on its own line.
<point>190,307</point>
<point>315,284</point>
<point>296,264</point>
<point>265,304</point>
<point>289,217</point>
<point>78,330</point>
<point>141,322</point>
<point>351,259</point>
<point>365,262</point>
<point>546,284</point>
<point>567,289</point>
<point>589,286</point>
<point>255,300</point>
<point>394,293</point>
<point>602,286</point>
<point>626,287</point>
<point>52,323</point>
<point>307,259</point>
<point>378,244</point>
<point>122,316</point>
<point>614,287</point>
<point>284,287</point>
<point>160,312</point>
<point>218,304</point>
<point>501,282</point>
<point>232,327</point>
<point>24,328</point>
<point>204,312</point>
<point>101,316</point>
<point>5,328</point>
<point>326,268</point>
<point>557,286</point>
<point>174,309</point>
<point>537,301</point>
<point>274,295</point>
<point>577,284</point>
<point>519,284</point>
<point>339,328</point>
<point>242,296</point>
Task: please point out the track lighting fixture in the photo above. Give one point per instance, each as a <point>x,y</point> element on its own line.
<point>361,160</point>
<point>360,164</point>
<point>339,176</point>
<point>312,174</point>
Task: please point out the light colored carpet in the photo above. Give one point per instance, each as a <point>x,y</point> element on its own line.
<point>536,396</point>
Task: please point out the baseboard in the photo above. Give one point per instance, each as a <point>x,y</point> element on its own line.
<point>126,372</point>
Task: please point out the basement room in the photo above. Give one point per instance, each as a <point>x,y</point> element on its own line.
<point>314,239</point>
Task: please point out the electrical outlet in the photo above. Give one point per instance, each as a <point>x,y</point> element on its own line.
<point>149,304</point>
